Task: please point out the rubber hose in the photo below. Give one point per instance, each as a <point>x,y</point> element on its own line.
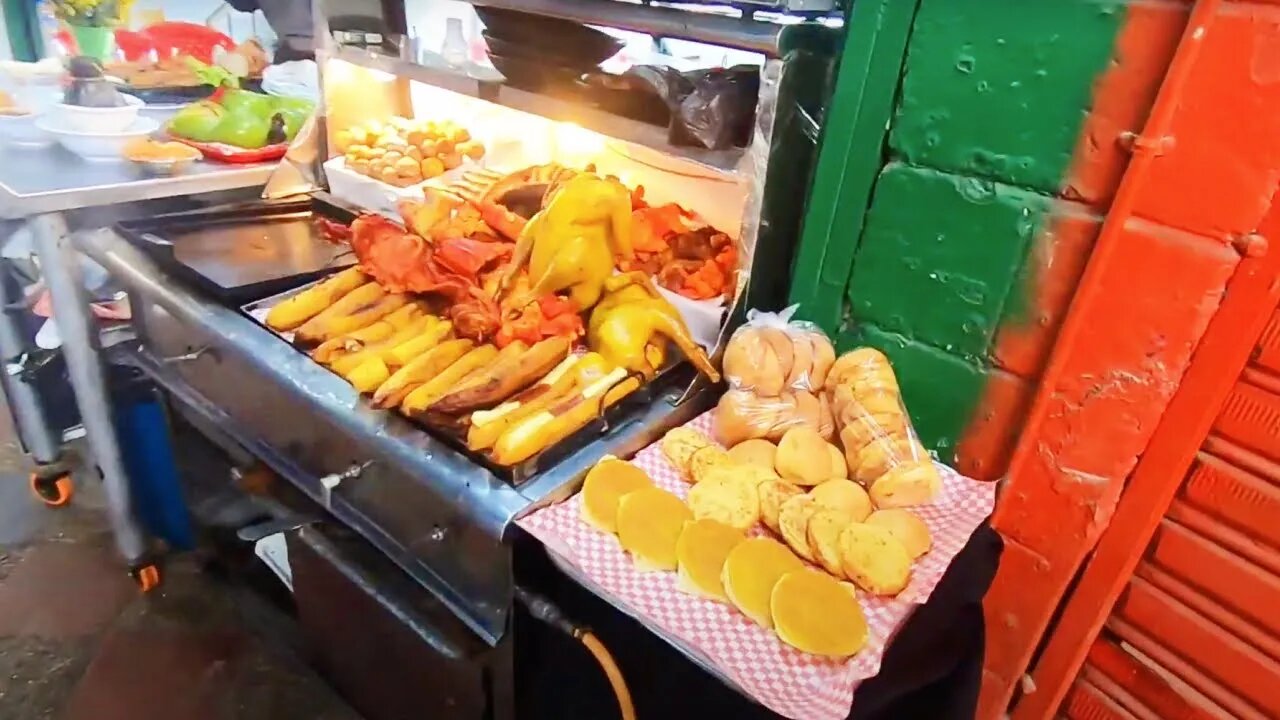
<point>611,671</point>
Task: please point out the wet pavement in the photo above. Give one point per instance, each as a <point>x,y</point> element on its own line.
<point>78,641</point>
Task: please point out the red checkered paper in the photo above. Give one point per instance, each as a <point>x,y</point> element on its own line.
<point>789,682</point>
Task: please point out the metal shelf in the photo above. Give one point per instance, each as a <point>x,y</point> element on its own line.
<point>554,108</point>
<point>670,22</point>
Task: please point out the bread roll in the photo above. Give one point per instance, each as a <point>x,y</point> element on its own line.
<point>803,457</point>
<point>915,483</point>
<point>907,527</point>
<point>756,451</point>
<point>874,559</point>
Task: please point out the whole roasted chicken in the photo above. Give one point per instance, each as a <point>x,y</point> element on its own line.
<point>631,325</point>
<point>572,243</point>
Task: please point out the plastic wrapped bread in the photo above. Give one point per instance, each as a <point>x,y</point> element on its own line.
<point>880,446</point>
<point>771,355</point>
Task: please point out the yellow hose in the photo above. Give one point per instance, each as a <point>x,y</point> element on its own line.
<point>611,671</point>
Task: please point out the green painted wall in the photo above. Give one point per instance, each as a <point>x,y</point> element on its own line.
<point>992,99</point>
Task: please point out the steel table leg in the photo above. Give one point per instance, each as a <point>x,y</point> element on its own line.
<point>28,412</point>
<point>59,264</point>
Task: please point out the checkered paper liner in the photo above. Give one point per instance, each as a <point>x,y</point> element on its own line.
<point>789,682</point>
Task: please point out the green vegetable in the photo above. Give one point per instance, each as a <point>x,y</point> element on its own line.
<point>242,101</point>
<point>243,130</point>
<point>213,74</point>
<point>197,121</point>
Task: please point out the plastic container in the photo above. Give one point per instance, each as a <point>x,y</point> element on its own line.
<point>97,146</point>
<point>99,119</point>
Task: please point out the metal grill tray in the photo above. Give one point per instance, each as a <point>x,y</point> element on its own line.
<point>674,377</point>
<point>243,253</point>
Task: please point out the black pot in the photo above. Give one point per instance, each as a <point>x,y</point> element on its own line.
<point>532,73</point>
<point>573,43</point>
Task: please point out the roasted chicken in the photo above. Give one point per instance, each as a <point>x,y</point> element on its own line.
<point>573,242</point>
<point>631,325</point>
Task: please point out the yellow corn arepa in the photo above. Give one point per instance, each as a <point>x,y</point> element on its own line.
<point>772,494</point>
<point>793,524</point>
<point>823,535</point>
<point>814,613</point>
<point>679,445</point>
<point>604,488</point>
<point>729,499</point>
<point>874,559</point>
<point>754,452</point>
<point>649,524</point>
<point>700,553</point>
<point>843,496</point>
<point>907,527</point>
<point>750,572</point>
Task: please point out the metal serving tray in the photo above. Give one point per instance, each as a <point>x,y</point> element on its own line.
<point>673,378</point>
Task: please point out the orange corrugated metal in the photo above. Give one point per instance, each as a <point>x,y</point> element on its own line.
<point>1196,632</point>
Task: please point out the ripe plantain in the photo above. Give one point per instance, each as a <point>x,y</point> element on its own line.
<point>369,376</point>
<point>405,352</point>
<point>312,331</point>
<point>563,418</point>
<point>382,349</point>
<point>488,425</point>
<point>300,308</point>
<point>419,370</point>
<point>353,342</point>
<point>362,317</point>
<point>504,379</point>
<point>424,396</point>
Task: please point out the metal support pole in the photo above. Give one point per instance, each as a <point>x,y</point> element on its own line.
<point>28,413</point>
<point>59,264</point>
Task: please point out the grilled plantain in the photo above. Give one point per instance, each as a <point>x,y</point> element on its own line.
<point>419,370</point>
<point>504,379</point>
<point>309,303</point>
<point>577,371</point>
<point>382,349</point>
<point>540,431</point>
<point>402,354</point>
<point>353,342</point>
<point>415,404</point>
<point>369,376</point>
<point>362,317</point>
<point>313,332</point>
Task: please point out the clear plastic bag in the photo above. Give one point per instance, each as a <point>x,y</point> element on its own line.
<point>772,354</point>
<point>744,415</point>
<point>880,445</point>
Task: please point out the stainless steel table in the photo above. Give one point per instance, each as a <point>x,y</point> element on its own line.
<point>51,180</point>
<point>39,187</point>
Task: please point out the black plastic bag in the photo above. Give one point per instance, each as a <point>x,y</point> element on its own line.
<point>713,109</point>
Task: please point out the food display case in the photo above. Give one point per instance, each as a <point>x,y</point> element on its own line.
<point>468,196</point>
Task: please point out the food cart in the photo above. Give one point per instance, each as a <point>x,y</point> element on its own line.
<point>411,574</point>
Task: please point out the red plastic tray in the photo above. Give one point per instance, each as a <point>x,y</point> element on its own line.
<point>238,155</point>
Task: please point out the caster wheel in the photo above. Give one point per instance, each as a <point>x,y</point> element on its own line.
<point>54,490</point>
<point>147,577</point>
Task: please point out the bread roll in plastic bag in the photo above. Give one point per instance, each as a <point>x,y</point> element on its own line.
<point>880,445</point>
<point>772,354</point>
<point>743,415</point>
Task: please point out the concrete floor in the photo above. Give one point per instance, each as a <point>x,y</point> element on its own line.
<point>79,642</point>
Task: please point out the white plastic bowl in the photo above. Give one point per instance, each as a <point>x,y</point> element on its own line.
<point>22,131</point>
<point>97,145</point>
<point>99,119</point>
